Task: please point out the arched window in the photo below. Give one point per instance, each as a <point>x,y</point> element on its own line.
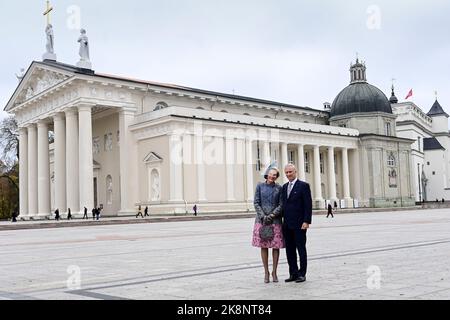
<point>160,106</point>
<point>109,190</point>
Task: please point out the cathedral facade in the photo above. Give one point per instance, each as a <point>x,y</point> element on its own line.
<point>122,143</point>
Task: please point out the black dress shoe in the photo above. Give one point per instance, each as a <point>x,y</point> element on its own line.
<point>300,279</point>
<point>291,279</point>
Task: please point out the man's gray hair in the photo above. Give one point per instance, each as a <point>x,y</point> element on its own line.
<point>290,165</point>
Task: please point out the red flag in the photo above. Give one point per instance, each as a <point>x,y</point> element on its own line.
<point>410,94</point>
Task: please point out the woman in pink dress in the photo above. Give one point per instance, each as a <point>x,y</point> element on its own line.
<point>268,212</point>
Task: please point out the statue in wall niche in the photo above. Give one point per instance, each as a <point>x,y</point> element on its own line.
<point>155,186</point>
<point>392,178</point>
<point>109,188</point>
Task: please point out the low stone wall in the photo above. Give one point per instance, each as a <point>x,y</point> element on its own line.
<point>436,205</point>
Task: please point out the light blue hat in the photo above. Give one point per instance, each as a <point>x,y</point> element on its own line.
<point>273,165</point>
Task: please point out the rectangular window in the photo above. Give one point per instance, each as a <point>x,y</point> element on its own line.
<point>306,162</point>
<point>258,158</point>
<point>321,164</point>
<point>291,157</point>
<point>388,129</point>
<point>335,164</point>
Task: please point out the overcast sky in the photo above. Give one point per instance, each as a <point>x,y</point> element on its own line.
<point>295,52</point>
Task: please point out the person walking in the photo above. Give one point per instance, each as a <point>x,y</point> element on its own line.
<point>146,212</point>
<point>85,214</point>
<point>330,211</point>
<point>297,213</point>
<point>69,214</point>
<point>57,217</point>
<point>195,208</point>
<point>139,213</point>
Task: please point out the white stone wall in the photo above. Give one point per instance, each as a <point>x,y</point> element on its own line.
<point>109,161</point>
<point>435,173</point>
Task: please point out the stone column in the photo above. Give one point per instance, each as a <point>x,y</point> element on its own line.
<point>249,169</point>
<point>284,160</point>
<point>199,160</point>
<point>266,155</point>
<point>32,171</point>
<point>301,162</point>
<point>23,172</point>
<point>86,161</point>
<point>331,174</point>
<point>229,165</point>
<point>346,177</point>
<point>60,162</point>
<point>72,162</point>
<point>44,208</point>
<point>317,179</point>
<point>127,162</point>
<point>176,168</point>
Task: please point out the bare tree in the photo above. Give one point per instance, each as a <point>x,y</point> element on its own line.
<point>9,141</point>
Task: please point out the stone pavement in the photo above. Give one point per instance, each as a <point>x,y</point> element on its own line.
<point>390,255</point>
<point>44,224</point>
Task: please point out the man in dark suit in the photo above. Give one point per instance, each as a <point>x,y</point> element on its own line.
<point>297,212</point>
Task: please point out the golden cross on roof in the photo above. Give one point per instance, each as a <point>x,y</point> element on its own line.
<point>436,94</point>
<point>47,12</point>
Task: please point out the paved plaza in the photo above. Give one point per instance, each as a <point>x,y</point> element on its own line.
<point>389,255</point>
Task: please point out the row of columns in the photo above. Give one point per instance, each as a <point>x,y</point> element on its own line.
<point>73,163</point>
<point>176,168</point>
<point>317,180</point>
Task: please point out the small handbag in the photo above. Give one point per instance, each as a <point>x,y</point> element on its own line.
<point>267,233</point>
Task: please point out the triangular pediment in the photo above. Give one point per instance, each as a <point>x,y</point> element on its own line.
<point>152,158</point>
<point>39,78</point>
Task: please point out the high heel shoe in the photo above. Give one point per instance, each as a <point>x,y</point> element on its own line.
<point>275,277</point>
<point>267,278</point>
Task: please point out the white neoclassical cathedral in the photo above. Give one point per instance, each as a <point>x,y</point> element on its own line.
<point>121,143</point>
